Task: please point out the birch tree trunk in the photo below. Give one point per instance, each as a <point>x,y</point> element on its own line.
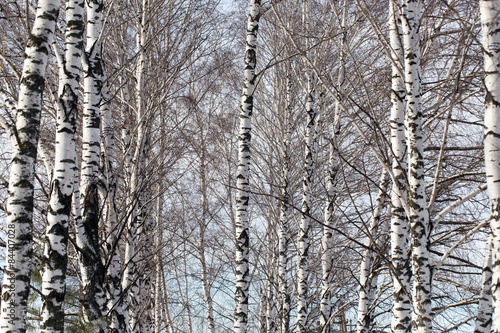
<point>92,269</point>
<point>490,11</point>
<point>304,230</point>
<point>130,277</point>
<point>56,240</point>
<point>283,232</point>
<point>19,250</point>
<point>242,182</point>
<point>332,194</point>
<point>401,304</point>
<point>201,241</point>
<point>485,309</point>
<point>367,278</point>
<point>419,215</point>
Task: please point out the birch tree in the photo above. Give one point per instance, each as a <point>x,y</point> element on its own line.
<point>87,236</point>
<point>24,140</point>
<point>242,183</point>
<point>419,215</point>
<point>485,310</point>
<point>56,242</point>
<point>303,242</point>
<point>284,299</point>
<point>490,24</point>
<point>401,306</point>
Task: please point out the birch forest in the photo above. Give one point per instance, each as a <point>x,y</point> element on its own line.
<point>250,166</point>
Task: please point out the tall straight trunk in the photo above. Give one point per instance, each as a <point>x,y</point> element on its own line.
<point>115,316</point>
<point>201,241</point>
<point>134,168</point>
<point>242,182</point>
<point>61,190</point>
<point>91,266</point>
<point>490,11</point>
<point>419,215</point>
<point>484,308</point>
<point>24,138</point>
<point>400,242</point>
<point>285,212</point>
<point>367,278</point>
<point>332,192</point>
<point>305,221</point>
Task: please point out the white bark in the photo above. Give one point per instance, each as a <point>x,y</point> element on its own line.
<point>419,215</point>
<point>485,308</point>
<point>400,243</point>
<point>490,12</point>
<point>285,212</point>
<point>17,269</point>
<point>87,237</point>
<point>242,183</point>
<point>56,240</point>
<point>134,220</point>
<point>303,243</point>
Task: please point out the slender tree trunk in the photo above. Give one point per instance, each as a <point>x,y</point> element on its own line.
<point>419,215</point>
<point>485,309</point>
<point>263,310</point>
<point>201,241</point>
<point>92,269</point>
<point>283,232</point>
<point>130,278</point>
<point>56,240</point>
<point>367,276</point>
<point>305,223</point>
<point>400,242</point>
<point>490,11</point>
<point>242,182</point>
<point>331,195</point>
<point>19,250</point>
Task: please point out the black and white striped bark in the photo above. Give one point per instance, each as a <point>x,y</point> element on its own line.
<point>490,23</point>
<point>400,242</point>
<point>368,275</point>
<point>284,298</point>
<point>419,215</point>
<point>61,192</point>
<point>242,179</point>
<point>485,307</point>
<point>304,231</point>
<point>332,192</point>
<point>91,266</point>
<point>19,250</point>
